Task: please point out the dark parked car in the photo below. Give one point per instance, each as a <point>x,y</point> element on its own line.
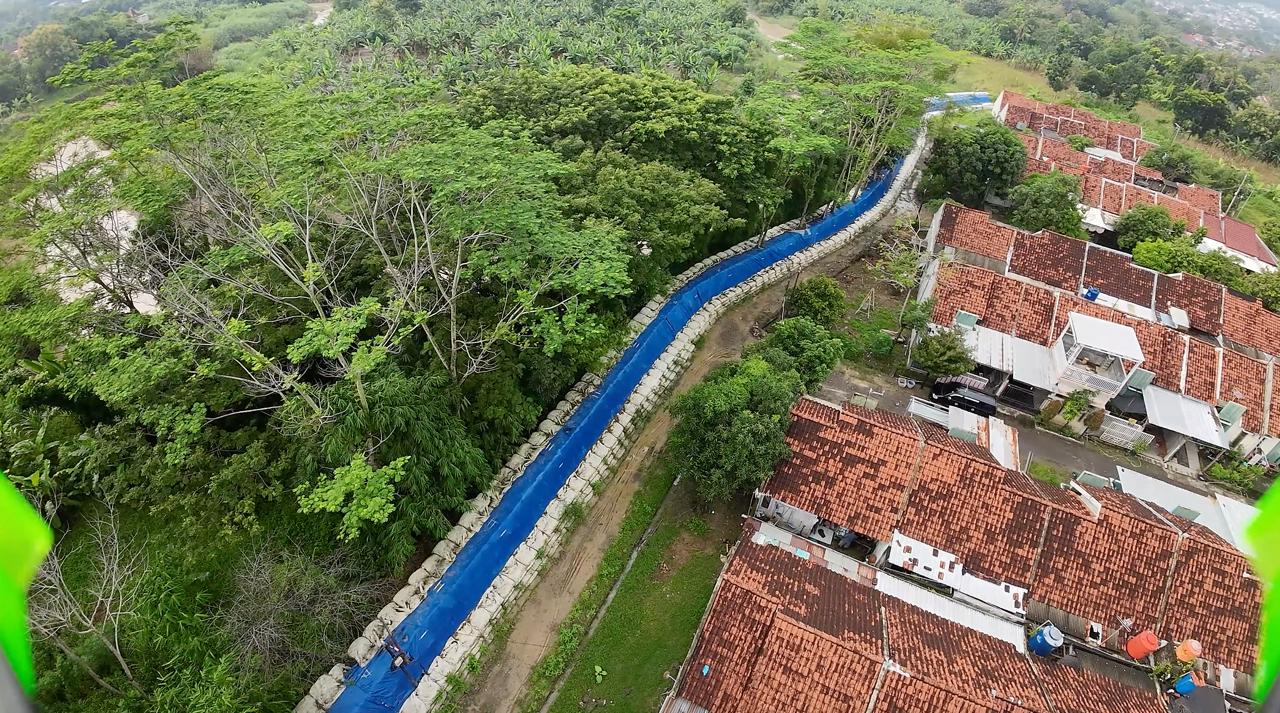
<point>955,394</point>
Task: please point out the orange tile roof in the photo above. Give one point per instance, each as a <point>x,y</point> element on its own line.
<point>1215,599</point>
<point>1049,257</point>
<point>982,512</point>
<point>968,229</point>
<point>1202,371</point>
<point>1201,299</point>
<point>1244,381</point>
<point>1131,561</point>
<point>1004,304</point>
<point>1073,689</point>
<point>1247,323</point>
<point>1112,568</point>
<point>1117,275</point>
<point>840,471</point>
<point>760,655</point>
<point>798,668</point>
<point>941,653</point>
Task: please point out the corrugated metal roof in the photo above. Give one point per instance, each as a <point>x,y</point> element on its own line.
<point>1185,415</point>
<point>1109,337</point>
<point>953,611</point>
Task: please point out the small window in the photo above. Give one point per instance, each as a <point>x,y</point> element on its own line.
<point>1229,413</point>
<point>966,319</point>
<point>1187,513</point>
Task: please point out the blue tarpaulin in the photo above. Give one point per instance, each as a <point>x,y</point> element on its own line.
<point>378,686</point>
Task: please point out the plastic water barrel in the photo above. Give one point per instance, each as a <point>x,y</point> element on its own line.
<point>1188,682</point>
<point>1092,293</point>
<point>1045,640</point>
<point>1142,645</point>
<point>1188,650</point>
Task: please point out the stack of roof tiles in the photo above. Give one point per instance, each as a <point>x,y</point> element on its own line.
<point>784,633</point>
<point>1126,560</point>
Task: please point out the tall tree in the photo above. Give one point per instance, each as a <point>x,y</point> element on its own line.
<point>1048,200</point>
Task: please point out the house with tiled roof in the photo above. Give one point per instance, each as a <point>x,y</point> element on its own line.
<point>797,626</point>
<point>1202,372</point>
<point>1112,182</point>
<point>1101,564</point>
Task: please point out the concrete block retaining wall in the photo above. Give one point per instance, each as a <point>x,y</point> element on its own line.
<point>523,567</point>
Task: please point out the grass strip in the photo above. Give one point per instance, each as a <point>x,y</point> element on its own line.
<point>569,637</point>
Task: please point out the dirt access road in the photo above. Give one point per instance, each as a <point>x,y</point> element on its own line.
<point>771,30</point>
<point>499,687</point>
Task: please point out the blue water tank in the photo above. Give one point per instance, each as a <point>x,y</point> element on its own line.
<point>1046,639</point>
<point>1091,294</point>
<point>1187,683</point>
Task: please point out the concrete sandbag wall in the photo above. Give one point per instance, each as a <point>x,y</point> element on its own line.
<point>522,568</point>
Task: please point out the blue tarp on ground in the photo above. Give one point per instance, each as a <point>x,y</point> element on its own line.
<point>377,686</point>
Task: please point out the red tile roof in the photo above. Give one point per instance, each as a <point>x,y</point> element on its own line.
<point>760,655</point>
<point>1247,323</point>
<point>1004,304</point>
<point>1049,257</point>
<point>989,517</point>
<point>1201,299</point>
<point>968,229</point>
<point>1116,274</point>
<point>1202,371</point>
<point>1244,381</point>
<point>1073,689</point>
<point>1215,599</point>
<point>940,652</point>
<point>1205,199</point>
<point>1112,568</point>
<point>838,470</point>
<point>1241,237</point>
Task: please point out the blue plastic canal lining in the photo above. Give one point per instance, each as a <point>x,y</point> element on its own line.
<point>380,687</point>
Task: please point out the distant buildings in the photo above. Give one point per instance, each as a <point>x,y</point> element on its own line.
<point>1112,182</point>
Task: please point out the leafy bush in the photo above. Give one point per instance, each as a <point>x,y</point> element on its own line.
<point>1147,222</point>
<point>1236,473</point>
<point>943,354</point>
<point>801,346</point>
<point>819,299</point>
<point>1048,200</point>
<point>1079,143</point>
<point>1076,403</point>
<point>730,428</point>
<point>970,161</point>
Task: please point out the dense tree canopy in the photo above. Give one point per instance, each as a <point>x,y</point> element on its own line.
<point>1147,222</point>
<point>973,159</point>
<point>1048,200</point>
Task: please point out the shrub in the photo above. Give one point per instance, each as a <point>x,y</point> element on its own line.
<point>802,346</point>
<point>819,299</point>
<point>1076,403</point>
<point>1050,410</point>
<point>943,354</point>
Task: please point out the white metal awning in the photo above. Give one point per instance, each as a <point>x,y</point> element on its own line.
<point>1033,364</point>
<point>1109,337</point>
<point>990,348</point>
<point>1190,417</point>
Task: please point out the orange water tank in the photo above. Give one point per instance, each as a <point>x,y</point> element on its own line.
<point>1188,650</point>
<point>1142,645</point>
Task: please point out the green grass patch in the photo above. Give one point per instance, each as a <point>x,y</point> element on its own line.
<point>569,638</point>
<point>1258,209</point>
<point>647,630</point>
<point>1047,473</point>
<point>975,73</point>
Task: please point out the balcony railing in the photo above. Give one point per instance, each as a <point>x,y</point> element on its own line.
<point>1075,378</point>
